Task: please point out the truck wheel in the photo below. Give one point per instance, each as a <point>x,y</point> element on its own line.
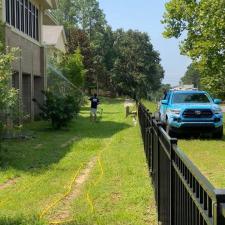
<point>219,133</point>
<point>157,116</point>
<point>169,131</point>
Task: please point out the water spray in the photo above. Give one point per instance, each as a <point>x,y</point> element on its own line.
<point>60,74</point>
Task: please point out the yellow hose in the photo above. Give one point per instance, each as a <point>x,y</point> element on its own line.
<point>47,209</point>
<point>88,197</point>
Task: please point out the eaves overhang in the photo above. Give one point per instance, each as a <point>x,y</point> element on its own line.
<point>50,4</point>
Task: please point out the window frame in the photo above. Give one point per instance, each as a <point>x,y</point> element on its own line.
<point>24,16</point>
<point>7,11</point>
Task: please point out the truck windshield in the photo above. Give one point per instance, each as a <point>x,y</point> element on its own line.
<point>190,98</point>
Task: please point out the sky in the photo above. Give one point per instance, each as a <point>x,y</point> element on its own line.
<point>145,16</point>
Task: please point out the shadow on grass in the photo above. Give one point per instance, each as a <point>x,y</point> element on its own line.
<point>20,221</point>
<point>50,146</point>
<point>35,221</point>
<point>202,136</point>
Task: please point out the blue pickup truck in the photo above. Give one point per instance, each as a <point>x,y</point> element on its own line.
<point>191,111</point>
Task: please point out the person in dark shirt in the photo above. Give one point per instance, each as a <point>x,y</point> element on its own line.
<point>94,106</point>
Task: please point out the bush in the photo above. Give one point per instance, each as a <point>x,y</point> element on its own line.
<point>59,109</point>
<point>9,98</point>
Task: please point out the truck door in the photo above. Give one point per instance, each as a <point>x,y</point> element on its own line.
<point>163,107</point>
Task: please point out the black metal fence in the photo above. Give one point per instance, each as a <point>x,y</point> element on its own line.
<point>183,195</point>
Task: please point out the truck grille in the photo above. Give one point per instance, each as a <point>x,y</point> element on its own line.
<point>197,113</point>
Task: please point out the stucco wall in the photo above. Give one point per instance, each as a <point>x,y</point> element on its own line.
<point>30,53</point>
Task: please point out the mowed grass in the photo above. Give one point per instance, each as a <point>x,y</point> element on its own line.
<point>152,106</point>
<point>44,166</point>
<point>207,154</point>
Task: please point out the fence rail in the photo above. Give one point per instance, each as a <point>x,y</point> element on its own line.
<point>183,195</point>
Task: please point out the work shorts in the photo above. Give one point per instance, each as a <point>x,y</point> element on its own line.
<point>93,111</point>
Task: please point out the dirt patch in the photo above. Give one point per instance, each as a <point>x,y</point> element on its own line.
<point>70,142</point>
<point>8,183</point>
<point>38,146</point>
<point>115,197</point>
<point>63,212</point>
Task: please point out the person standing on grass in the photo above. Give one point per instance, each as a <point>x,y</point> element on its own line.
<point>94,105</point>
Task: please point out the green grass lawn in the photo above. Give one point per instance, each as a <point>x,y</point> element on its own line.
<point>152,106</point>
<point>118,192</point>
<point>207,154</point>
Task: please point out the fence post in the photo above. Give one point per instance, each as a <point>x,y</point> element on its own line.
<point>173,141</point>
<point>148,147</point>
<point>219,208</point>
<point>222,214</point>
<point>146,141</point>
<point>158,168</point>
<point>152,145</point>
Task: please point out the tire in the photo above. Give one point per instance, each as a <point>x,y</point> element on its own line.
<point>219,133</point>
<point>169,131</point>
<point>157,116</point>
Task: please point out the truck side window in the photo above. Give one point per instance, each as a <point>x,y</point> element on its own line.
<point>165,95</point>
<point>168,96</point>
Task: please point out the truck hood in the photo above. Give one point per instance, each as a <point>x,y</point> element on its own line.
<point>184,106</point>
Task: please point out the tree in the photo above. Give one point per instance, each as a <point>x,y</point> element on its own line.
<point>79,39</point>
<point>66,13</point>
<point>204,23</point>
<point>192,76</point>
<point>136,70</point>
<point>85,26</point>
<point>84,14</point>
<point>215,85</point>
<point>114,61</point>
<point>158,94</point>
<point>90,17</point>
<point>72,66</point>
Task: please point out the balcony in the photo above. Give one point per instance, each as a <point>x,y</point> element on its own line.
<point>50,18</point>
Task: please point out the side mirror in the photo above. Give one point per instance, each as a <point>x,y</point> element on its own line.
<point>217,101</point>
<point>164,102</point>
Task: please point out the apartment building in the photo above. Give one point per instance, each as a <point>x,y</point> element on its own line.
<point>23,21</point>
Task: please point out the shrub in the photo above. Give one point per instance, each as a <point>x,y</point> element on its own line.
<point>59,109</point>
<point>9,101</point>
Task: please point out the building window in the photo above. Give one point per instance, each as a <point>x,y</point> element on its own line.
<point>17,15</point>
<point>37,24</point>
<point>30,19</point>
<point>7,7</point>
<point>33,22</point>
<point>13,12</point>
<point>24,16</point>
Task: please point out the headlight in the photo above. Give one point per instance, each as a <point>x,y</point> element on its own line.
<point>217,111</point>
<point>174,111</point>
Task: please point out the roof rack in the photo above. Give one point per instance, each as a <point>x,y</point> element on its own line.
<point>184,88</point>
